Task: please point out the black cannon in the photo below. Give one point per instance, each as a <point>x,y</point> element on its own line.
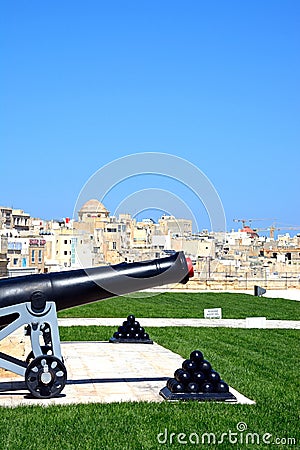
<point>33,301</point>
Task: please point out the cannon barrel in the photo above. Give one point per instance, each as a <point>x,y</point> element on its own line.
<point>77,287</point>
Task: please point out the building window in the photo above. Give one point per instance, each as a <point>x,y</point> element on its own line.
<point>65,252</point>
<point>114,245</point>
<point>32,256</point>
<point>65,241</point>
<point>15,261</point>
<point>40,256</point>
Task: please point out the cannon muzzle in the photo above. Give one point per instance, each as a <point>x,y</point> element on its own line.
<point>77,287</point>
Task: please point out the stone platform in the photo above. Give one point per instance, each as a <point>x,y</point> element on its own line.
<point>100,372</point>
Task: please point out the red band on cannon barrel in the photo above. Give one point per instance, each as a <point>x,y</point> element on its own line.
<point>190,267</point>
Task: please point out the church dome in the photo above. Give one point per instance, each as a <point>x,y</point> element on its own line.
<point>93,205</point>
<point>93,208</point>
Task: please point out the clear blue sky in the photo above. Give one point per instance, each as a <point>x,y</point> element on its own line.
<point>215,82</point>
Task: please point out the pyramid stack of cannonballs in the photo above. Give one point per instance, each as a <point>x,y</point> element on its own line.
<point>131,332</point>
<point>196,380</point>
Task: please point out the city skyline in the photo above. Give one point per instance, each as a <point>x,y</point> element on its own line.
<point>215,84</point>
<point>29,245</point>
<point>270,230</point>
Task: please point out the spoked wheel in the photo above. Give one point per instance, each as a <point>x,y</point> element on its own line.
<point>45,376</point>
<point>46,349</point>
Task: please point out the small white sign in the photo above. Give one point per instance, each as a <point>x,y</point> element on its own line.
<point>214,313</point>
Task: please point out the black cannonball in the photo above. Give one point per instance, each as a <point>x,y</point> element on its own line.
<point>193,387</point>
<point>196,356</point>
<point>176,387</point>
<point>207,387</point>
<point>222,387</point>
<point>213,376</point>
<point>182,376</point>
<point>189,365</point>
<point>199,377</point>
<point>204,366</point>
<point>169,381</point>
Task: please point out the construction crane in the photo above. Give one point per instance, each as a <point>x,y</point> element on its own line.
<point>272,229</point>
<point>243,221</point>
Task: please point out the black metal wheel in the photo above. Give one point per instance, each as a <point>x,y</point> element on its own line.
<point>46,350</point>
<point>45,376</point>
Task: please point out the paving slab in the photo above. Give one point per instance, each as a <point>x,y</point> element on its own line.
<point>167,322</point>
<point>288,294</point>
<point>100,372</point>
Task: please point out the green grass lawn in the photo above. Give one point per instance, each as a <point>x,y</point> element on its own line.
<point>262,364</point>
<point>177,305</point>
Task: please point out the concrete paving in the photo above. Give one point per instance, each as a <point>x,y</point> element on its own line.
<point>146,322</point>
<point>288,294</point>
<point>100,372</point>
